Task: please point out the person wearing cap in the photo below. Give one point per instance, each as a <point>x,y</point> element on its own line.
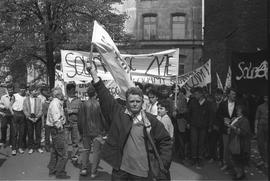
<point>91,126</point>
<point>18,120</point>
<point>132,136</point>
<point>56,120</point>
<point>32,108</point>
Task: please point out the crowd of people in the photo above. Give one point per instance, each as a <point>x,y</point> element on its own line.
<point>140,136</point>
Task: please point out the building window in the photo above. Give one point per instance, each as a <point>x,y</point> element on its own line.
<point>181,69</point>
<point>150,27</point>
<point>178,26</point>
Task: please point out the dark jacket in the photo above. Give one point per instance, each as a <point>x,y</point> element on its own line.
<point>120,126</point>
<point>200,115</point>
<point>243,130</point>
<point>222,113</point>
<point>90,119</point>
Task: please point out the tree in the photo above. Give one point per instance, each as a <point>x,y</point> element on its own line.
<point>38,29</point>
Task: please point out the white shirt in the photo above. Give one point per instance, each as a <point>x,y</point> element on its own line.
<point>18,103</point>
<point>230,107</point>
<point>153,109</point>
<point>32,105</point>
<point>55,115</point>
<point>166,121</point>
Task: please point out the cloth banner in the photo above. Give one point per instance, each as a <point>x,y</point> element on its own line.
<point>250,72</point>
<point>81,87</point>
<point>228,82</point>
<point>116,64</point>
<point>197,78</point>
<point>219,83</point>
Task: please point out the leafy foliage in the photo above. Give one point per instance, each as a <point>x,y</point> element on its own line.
<point>32,30</point>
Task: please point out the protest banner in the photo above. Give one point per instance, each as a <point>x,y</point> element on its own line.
<point>155,68</point>
<point>250,72</point>
<point>198,78</point>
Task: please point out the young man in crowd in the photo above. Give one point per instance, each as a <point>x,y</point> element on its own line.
<point>72,108</point>
<point>225,114</point>
<point>32,108</point>
<point>127,146</point>
<point>18,120</point>
<point>152,107</point>
<point>91,126</point>
<point>200,115</point>
<point>56,120</point>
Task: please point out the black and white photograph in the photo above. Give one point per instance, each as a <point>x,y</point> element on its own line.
<point>134,90</point>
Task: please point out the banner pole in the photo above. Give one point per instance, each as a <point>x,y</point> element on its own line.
<point>89,64</point>
<point>176,83</point>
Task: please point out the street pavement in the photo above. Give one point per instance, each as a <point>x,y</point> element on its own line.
<point>34,167</point>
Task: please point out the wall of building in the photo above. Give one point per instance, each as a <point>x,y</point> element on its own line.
<point>230,25</point>
<point>190,47</point>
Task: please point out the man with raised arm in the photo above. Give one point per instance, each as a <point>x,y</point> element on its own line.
<point>128,148</point>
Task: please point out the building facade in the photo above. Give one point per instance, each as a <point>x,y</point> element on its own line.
<point>158,25</point>
<point>234,26</point>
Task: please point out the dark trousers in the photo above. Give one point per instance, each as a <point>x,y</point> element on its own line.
<point>214,145</point>
<point>19,130</point>
<point>262,141</point>
<point>120,175</point>
<point>197,138</point>
<point>5,121</point>
<point>47,136</point>
<point>59,156</point>
<point>183,144</point>
<point>34,128</point>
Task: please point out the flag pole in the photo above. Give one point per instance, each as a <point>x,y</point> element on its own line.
<point>89,64</point>
<point>176,83</point>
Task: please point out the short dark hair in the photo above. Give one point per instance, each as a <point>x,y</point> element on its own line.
<point>243,109</point>
<point>134,91</point>
<point>183,90</point>
<point>32,88</point>
<point>91,91</point>
<point>198,89</point>
<point>219,91</point>
<point>164,103</point>
<point>153,92</point>
<point>22,86</point>
<point>139,85</point>
<point>231,89</point>
<point>70,86</point>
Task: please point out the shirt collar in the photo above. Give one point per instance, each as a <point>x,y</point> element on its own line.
<point>202,101</point>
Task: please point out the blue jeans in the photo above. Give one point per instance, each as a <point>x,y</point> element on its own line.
<point>59,156</point>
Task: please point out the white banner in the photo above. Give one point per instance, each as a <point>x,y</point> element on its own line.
<point>219,83</point>
<point>155,68</point>
<point>201,77</point>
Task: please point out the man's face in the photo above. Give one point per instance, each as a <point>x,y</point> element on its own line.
<point>34,93</point>
<point>161,110</point>
<point>197,95</point>
<point>134,103</point>
<point>232,95</point>
<point>152,98</point>
<point>71,92</point>
<point>218,97</point>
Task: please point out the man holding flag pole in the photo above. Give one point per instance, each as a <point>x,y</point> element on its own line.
<point>138,146</point>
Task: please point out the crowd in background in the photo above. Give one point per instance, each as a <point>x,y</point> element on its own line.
<point>204,127</point>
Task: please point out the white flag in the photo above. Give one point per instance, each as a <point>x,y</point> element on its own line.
<point>228,82</point>
<point>112,58</point>
<point>219,84</point>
